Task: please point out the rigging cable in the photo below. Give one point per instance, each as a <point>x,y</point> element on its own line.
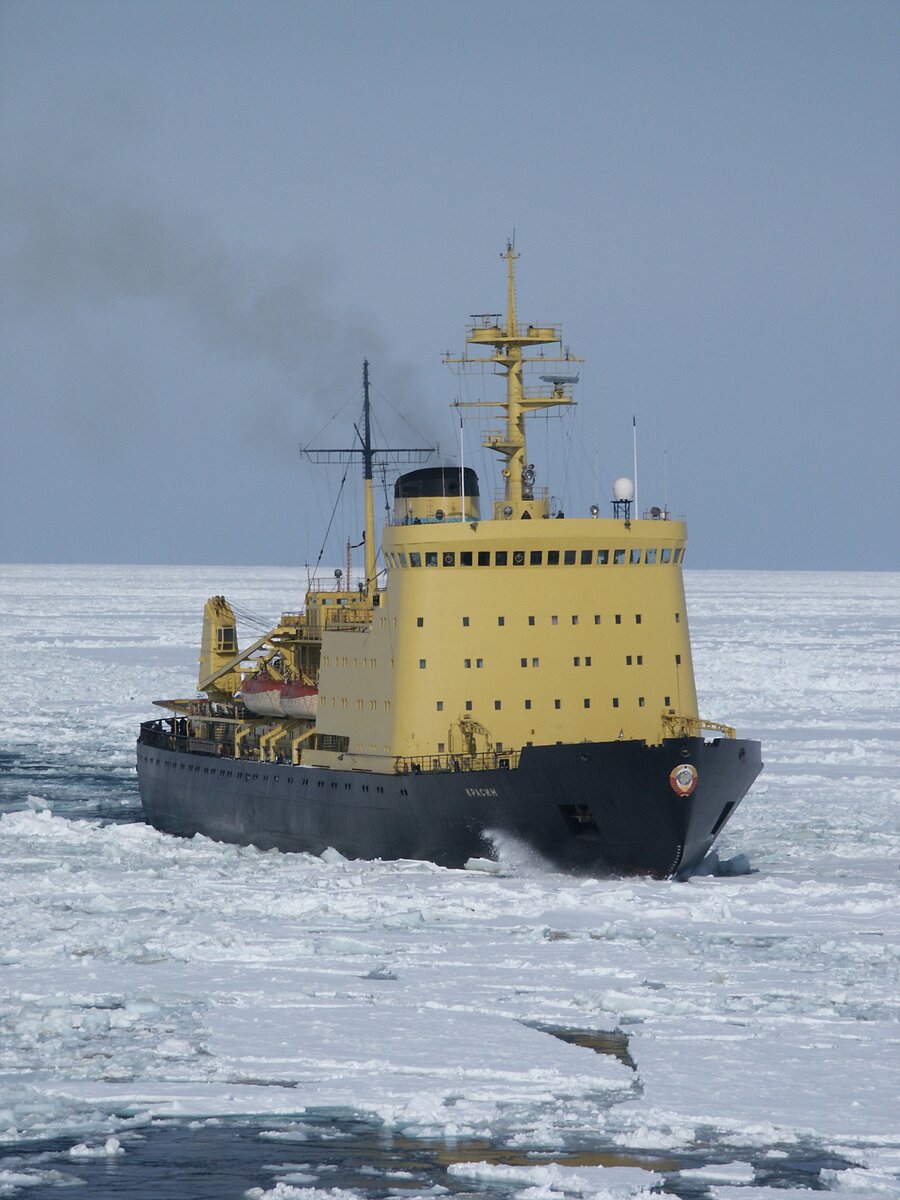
<point>331,518</point>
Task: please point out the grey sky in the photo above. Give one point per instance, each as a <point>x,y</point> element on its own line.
<point>212,211</point>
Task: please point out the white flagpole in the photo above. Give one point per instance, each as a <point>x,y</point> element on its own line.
<point>637,511</point>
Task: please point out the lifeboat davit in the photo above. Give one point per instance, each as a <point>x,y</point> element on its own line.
<point>266,696</point>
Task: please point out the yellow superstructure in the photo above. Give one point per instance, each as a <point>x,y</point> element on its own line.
<point>491,635</point>
<point>558,631</point>
<point>486,635</point>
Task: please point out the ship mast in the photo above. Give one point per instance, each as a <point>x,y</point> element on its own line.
<point>368,453</point>
<point>508,340</point>
<point>368,456</point>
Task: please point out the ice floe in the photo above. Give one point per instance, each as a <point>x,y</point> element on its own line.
<point>145,975</point>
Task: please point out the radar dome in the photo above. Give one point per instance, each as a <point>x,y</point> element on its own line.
<point>623,488</point>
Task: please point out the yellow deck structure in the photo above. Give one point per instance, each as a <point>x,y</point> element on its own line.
<point>486,635</point>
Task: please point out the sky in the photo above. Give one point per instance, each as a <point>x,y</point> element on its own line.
<point>211,212</point>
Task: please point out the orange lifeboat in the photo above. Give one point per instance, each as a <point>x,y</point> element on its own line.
<point>267,696</point>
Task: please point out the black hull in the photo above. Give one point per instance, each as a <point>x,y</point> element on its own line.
<point>601,808</point>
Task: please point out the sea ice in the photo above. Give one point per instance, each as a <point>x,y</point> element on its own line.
<point>147,975</point>
<point>731,1172</point>
<point>553,1180</point>
<point>111,1148</point>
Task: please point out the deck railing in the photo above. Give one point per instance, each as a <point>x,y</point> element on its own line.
<point>163,736</point>
<point>353,617</point>
<point>493,760</point>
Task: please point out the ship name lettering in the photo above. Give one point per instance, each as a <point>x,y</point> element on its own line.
<point>481,791</point>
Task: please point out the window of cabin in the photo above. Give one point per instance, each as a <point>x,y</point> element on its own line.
<point>586,557</point>
<point>500,558</point>
<point>667,700</point>
<point>501,620</point>
<point>449,558</point>
<point>524,662</point>
<point>677,617</point>
<point>587,703</point>
<point>677,557</point>
<point>465,622</point>
<point>420,621</point>
<point>465,558</point>
<point>484,558</point>
<point>535,662</point>
<point>627,660</point>
<point>498,704</point>
<point>536,557</point>
<point>596,618</point>
<point>518,558</point>
<point>587,661</point>
<point>576,661</point>
<point>618,618</point>
<point>415,558</point>
<point>640,660</point>
<point>618,557</point>
<point>531,620</point>
<point>528,704</point>
<point>615,701</point>
<point>557,703</point>
<point>635,556</point>
<point>554,620</point>
<point>403,560</point>
<point>569,557</point>
<point>602,557</point>
<point>552,558</point>
<point>640,701</point>
<point>468,706</point>
<point>677,660</point>
<point>467,662</point>
<point>440,706</point>
<point>479,662</point>
<point>651,557</point>
<point>431,558</point>
<point>574,619</point>
<point>637,618</point>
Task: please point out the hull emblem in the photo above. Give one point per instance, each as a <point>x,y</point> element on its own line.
<point>683,779</point>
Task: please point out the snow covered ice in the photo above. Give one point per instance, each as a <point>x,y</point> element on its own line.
<point>146,977</point>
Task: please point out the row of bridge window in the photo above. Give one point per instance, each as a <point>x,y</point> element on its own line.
<point>535,558</point>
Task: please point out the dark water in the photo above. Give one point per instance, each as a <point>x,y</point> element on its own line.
<point>222,1160</point>
<point>70,787</point>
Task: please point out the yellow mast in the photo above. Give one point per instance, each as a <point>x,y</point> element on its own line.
<point>515,388</point>
<point>508,341</point>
